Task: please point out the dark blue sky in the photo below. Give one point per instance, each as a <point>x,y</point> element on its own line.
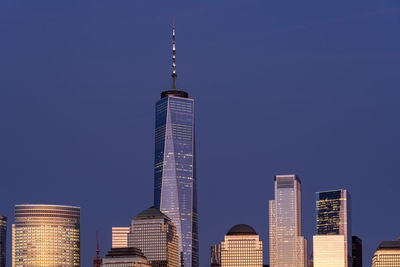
<point>305,87</point>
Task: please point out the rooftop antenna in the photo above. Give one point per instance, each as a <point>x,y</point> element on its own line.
<point>97,260</point>
<point>173,58</point>
<point>97,240</point>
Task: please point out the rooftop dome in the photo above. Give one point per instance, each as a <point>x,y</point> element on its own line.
<point>242,229</point>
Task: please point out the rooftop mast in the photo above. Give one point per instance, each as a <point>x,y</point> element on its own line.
<point>173,58</point>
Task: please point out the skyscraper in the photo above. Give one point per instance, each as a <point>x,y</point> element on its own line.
<point>3,240</point>
<point>287,247</point>
<point>387,254</point>
<point>356,245</point>
<point>155,235</point>
<point>241,247</point>
<point>175,192</point>
<point>46,235</point>
<point>332,244</point>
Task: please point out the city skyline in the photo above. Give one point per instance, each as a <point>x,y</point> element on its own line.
<point>305,89</point>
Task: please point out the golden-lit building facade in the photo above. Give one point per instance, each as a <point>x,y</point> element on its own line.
<point>387,254</point>
<point>155,235</point>
<point>46,235</point>
<point>241,247</point>
<point>287,247</point>
<point>329,251</point>
<point>120,237</point>
<point>3,240</point>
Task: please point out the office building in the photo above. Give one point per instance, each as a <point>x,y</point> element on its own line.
<point>288,248</point>
<point>120,237</point>
<point>387,254</point>
<point>175,190</point>
<point>241,247</point>
<point>46,235</point>
<point>3,240</point>
<point>155,235</point>
<point>215,259</point>
<point>125,257</point>
<point>356,245</point>
<point>332,244</point>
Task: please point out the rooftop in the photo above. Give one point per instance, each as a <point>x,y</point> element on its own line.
<point>242,229</point>
<point>389,245</point>
<point>125,253</point>
<point>151,213</point>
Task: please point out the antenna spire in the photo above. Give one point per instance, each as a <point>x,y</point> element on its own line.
<point>173,58</point>
<point>97,239</point>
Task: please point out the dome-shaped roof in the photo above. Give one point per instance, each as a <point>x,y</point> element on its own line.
<point>242,229</point>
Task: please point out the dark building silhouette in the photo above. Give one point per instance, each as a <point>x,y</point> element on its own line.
<point>357,251</point>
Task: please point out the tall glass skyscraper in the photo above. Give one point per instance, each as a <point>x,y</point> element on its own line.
<point>175,192</point>
<point>333,213</point>
<point>3,240</point>
<point>287,247</point>
<point>332,244</point>
<point>46,235</point>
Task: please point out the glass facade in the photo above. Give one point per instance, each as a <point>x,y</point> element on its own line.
<point>287,247</point>
<point>3,240</point>
<point>333,218</point>
<point>155,235</point>
<point>175,170</point>
<point>46,235</point>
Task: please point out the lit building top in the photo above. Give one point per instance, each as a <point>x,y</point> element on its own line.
<point>241,248</point>
<point>46,235</point>
<point>387,254</point>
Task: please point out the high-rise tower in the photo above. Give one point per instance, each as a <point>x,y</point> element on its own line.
<point>46,235</point>
<point>175,192</point>
<point>3,240</point>
<point>332,244</point>
<point>287,247</point>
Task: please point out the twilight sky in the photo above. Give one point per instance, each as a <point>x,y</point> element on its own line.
<point>305,87</point>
